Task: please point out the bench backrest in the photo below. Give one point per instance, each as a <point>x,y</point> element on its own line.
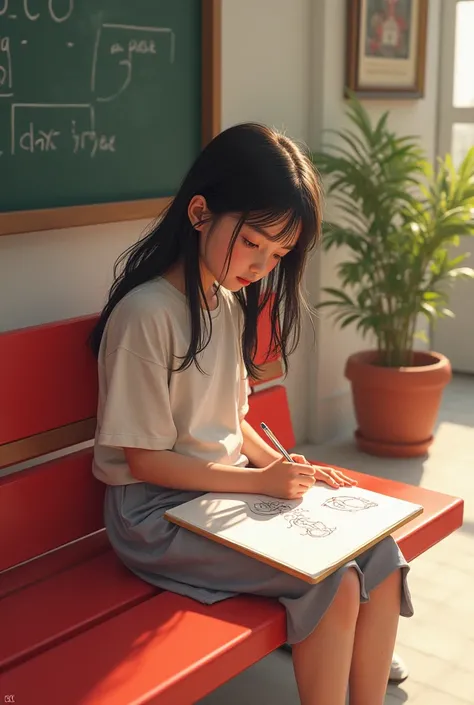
<point>48,403</point>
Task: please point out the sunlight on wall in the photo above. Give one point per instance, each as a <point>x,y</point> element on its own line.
<point>463,94</point>
<point>464,55</point>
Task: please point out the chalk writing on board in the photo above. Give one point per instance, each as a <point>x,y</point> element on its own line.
<point>92,141</point>
<point>35,139</point>
<point>27,142</point>
<point>133,46</point>
<point>58,11</point>
<point>6,78</point>
<point>39,127</point>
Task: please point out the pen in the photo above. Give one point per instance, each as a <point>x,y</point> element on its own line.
<point>276,442</point>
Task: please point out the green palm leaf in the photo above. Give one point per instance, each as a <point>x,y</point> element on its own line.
<point>397,218</point>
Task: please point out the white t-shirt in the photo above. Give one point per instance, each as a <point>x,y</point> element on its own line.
<point>144,404</point>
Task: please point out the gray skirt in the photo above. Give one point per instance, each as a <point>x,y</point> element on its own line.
<point>181,561</point>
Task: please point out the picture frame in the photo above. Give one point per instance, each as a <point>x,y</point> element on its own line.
<point>386,48</point>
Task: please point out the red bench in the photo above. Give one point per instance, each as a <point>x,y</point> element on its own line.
<point>77,627</point>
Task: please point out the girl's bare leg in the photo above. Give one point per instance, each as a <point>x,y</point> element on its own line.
<point>375,635</point>
<point>322,661</point>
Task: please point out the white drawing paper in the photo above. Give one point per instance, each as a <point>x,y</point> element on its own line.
<point>311,536</point>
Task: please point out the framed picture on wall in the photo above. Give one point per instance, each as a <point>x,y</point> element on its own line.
<point>386,48</point>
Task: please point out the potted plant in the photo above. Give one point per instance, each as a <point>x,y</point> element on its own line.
<point>397,218</point>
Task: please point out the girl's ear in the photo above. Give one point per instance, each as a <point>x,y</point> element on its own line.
<point>198,212</point>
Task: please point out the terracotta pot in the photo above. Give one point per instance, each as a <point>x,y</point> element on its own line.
<point>396,407</point>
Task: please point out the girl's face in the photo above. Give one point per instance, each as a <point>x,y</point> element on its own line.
<point>254,254</point>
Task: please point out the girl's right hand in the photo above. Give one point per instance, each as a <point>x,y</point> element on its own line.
<point>286,480</point>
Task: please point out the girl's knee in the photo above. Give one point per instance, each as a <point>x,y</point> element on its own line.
<point>347,599</point>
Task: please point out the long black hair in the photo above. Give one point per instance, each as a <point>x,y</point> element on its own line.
<point>267,179</point>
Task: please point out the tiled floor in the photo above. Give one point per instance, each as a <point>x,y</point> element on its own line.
<point>438,642</point>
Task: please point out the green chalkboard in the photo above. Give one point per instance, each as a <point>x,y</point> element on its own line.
<point>101,101</point>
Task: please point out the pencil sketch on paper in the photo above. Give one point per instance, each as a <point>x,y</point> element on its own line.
<point>315,529</point>
<point>349,504</point>
<point>271,508</point>
<point>297,517</point>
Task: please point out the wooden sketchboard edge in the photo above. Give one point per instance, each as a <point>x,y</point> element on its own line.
<point>14,222</point>
<point>282,566</point>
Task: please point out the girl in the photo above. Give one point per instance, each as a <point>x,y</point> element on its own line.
<point>174,343</point>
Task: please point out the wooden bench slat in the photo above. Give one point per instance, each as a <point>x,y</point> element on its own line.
<point>54,562</point>
<point>47,442</point>
<point>49,505</point>
<point>168,649</point>
<point>48,378</point>
<point>71,602</point>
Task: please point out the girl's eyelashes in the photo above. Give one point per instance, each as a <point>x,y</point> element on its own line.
<point>248,243</point>
<point>253,246</point>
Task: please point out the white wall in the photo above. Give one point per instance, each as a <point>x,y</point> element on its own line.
<point>331,411</point>
<point>283,65</point>
<point>46,276</point>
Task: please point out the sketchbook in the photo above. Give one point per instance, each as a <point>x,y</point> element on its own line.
<point>310,537</point>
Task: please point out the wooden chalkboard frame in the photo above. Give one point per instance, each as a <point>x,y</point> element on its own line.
<point>13,222</point>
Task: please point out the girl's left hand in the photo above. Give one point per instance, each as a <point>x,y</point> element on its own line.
<point>334,478</point>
